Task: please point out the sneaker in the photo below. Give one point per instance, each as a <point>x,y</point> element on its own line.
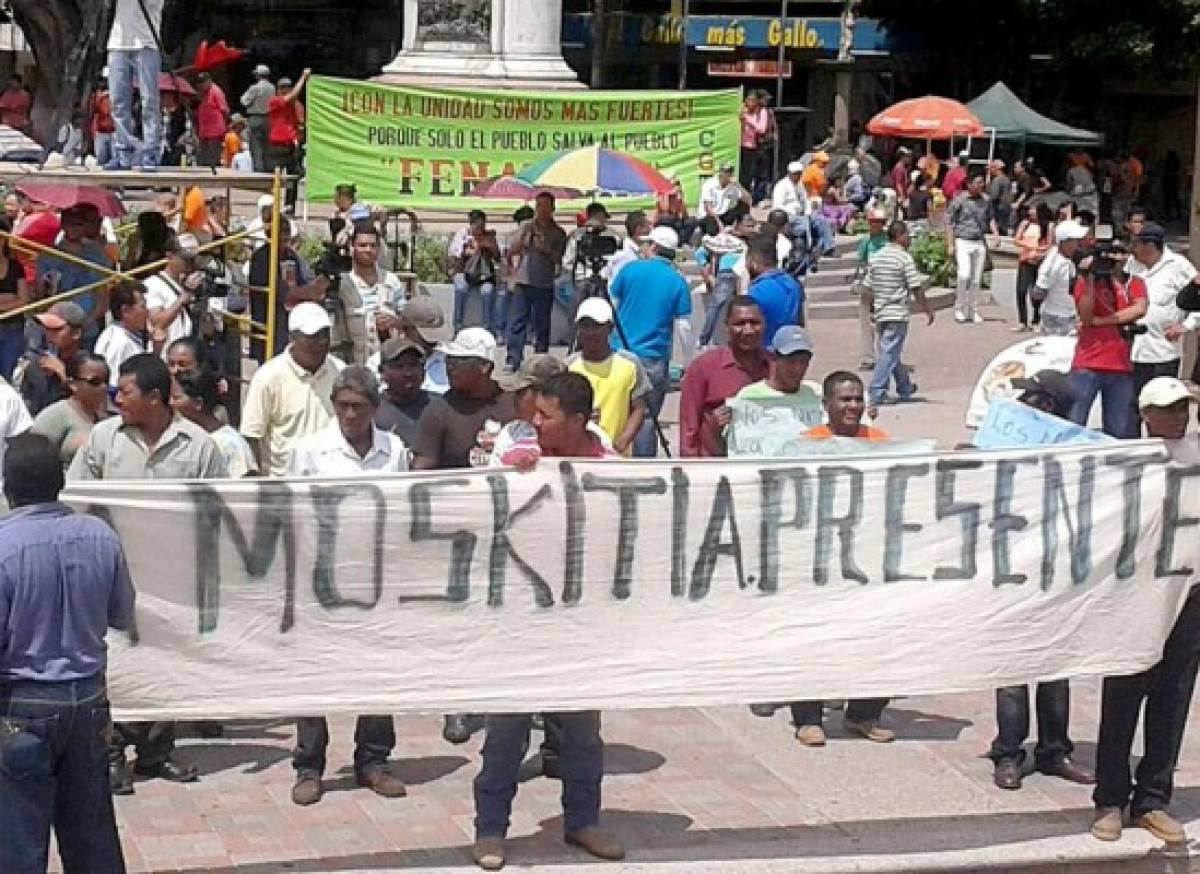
<point>977,319</point>
<point>811,735</point>
<point>960,317</point>
<point>911,396</point>
<point>600,843</point>
<point>1020,329</point>
<point>1162,825</point>
<point>307,790</point>
<point>113,166</point>
<point>866,365</point>
<point>488,853</point>
<point>871,730</point>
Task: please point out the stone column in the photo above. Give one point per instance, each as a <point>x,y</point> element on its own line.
<point>493,43</point>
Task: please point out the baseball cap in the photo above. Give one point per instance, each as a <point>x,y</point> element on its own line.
<point>727,167</point>
<point>595,208</point>
<point>471,343</point>
<point>722,243</point>
<point>663,237</point>
<point>533,370</point>
<point>262,70</point>
<point>877,215</point>
<point>62,314</point>
<point>422,312</point>
<point>791,339</point>
<point>308,319</point>
<point>1069,230</point>
<point>1163,391</point>
<point>237,118</point>
<point>264,201</point>
<point>1152,232</point>
<point>360,212</point>
<point>821,158</point>
<point>595,308</point>
<point>1053,383</point>
<point>796,167</point>
<point>284,82</point>
<point>185,244</point>
<point>397,346</point>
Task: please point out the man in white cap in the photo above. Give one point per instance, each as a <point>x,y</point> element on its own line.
<point>653,301</point>
<point>255,101</point>
<point>169,293</point>
<point>290,397</point>
<point>1166,688</point>
<point>619,384</point>
<point>1055,277</point>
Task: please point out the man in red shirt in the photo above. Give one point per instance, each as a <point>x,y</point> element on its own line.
<point>718,375</point>
<point>103,125</point>
<point>15,104</point>
<point>956,177</point>
<point>285,118</point>
<point>1102,365</point>
<point>899,174</point>
<point>212,118</point>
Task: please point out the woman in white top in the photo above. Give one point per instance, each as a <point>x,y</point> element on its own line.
<point>195,395</point>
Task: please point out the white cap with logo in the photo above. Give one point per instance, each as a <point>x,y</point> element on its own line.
<point>308,319</point>
<point>595,308</point>
<point>1164,391</point>
<point>471,343</point>
<point>663,237</point>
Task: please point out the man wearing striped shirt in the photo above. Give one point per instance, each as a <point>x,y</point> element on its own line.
<point>891,279</point>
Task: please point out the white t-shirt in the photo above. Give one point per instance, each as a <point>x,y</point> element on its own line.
<point>161,293</point>
<point>243,162</point>
<point>14,420</point>
<point>1169,276</point>
<point>1054,277</point>
<point>630,251</point>
<point>326,453</point>
<point>116,346</point>
<point>787,196</point>
<point>235,450</point>
<point>722,199</point>
<point>130,29</point>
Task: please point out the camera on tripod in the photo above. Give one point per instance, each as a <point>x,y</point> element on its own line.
<point>595,246</point>
<point>334,261</point>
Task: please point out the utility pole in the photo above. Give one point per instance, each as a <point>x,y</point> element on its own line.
<point>599,40</point>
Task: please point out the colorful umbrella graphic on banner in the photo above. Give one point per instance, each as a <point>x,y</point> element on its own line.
<point>596,170</point>
<point>512,188</point>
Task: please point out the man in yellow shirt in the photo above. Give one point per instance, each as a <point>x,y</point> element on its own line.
<point>619,384</point>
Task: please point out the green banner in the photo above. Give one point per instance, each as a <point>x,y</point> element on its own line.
<point>433,148</point>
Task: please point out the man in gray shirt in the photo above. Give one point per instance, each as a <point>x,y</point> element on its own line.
<point>255,101</point>
<point>538,251</point>
<point>147,441</point>
<point>967,224</point>
<point>63,583</point>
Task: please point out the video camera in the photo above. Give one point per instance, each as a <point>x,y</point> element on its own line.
<point>1106,256</point>
<point>334,261</point>
<point>596,245</point>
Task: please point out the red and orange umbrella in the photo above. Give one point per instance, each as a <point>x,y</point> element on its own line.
<point>926,118</point>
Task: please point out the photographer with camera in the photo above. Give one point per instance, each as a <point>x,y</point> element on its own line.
<point>296,284</point>
<point>1102,365</point>
<point>171,292</point>
<point>591,247</point>
<point>1158,349</point>
<point>475,254</point>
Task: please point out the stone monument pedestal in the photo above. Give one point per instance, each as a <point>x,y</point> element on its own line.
<point>493,43</point>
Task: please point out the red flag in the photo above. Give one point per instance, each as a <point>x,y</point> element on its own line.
<point>208,57</point>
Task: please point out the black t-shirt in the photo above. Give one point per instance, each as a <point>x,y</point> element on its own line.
<point>259,276</point>
<point>918,205</point>
<point>401,419</point>
<point>448,429</point>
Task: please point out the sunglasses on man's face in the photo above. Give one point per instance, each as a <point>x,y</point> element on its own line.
<point>93,381</point>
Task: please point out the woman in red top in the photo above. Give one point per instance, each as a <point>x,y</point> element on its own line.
<point>1101,365</point>
<point>285,117</point>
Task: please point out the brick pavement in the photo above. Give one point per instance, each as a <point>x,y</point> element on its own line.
<point>697,790</point>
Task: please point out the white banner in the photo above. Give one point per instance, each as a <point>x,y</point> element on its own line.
<point>627,584</point>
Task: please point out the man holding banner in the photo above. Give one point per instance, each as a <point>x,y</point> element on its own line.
<point>349,446</point>
<point>563,410</point>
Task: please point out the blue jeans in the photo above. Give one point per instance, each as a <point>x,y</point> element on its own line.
<point>713,311</point>
<point>887,362</point>
<point>822,234</point>
<point>462,290</point>
<point>528,304</point>
<point>374,738</point>
<point>12,346</point>
<point>1116,400</point>
<point>54,774</point>
<point>658,371</point>
<point>581,753</point>
<point>123,67</point>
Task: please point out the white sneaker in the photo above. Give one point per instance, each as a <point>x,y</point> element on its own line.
<point>960,317</point>
<point>977,319</point>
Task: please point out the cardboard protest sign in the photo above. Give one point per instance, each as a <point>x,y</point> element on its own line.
<point>772,427</point>
<point>615,585</point>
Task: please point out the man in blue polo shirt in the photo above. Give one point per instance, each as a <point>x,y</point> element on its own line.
<point>779,295</point>
<point>652,299</point>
